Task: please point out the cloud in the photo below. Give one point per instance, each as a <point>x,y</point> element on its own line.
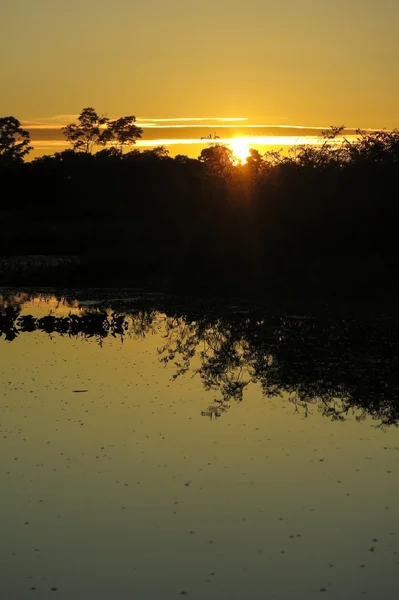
<point>192,119</point>
<point>262,140</point>
<point>55,122</point>
<point>58,121</point>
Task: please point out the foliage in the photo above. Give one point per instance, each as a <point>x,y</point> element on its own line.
<point>218,160</point>
<point>333,132</point>
<point>154,154</point>
<point>14,141</point>
<point>323,218</point>
<point>123,131</point>
<point>93,130</point>
<point>90,131</point>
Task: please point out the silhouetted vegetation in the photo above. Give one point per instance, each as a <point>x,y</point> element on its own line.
<point>322,218</point>
<point>337,364</point>
<point>93,130</point>
<point>14,141</point>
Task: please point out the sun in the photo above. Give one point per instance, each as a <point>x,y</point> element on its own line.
<point>240,148</point>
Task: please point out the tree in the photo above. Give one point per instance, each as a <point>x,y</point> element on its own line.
<point>157,153</point>
<point>89,132</point>
<point>124,132</point>
<point>254,161</point>
<point>333,132</point>
<point>105,153</point>
<point>14,141</point>
<point>218,160</point>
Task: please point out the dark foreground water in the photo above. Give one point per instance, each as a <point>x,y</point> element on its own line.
<point>153,451</point>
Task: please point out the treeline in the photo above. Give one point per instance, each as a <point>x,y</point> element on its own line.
<point>323,215</point>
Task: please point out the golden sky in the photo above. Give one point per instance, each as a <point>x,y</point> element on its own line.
<point>309,62</point>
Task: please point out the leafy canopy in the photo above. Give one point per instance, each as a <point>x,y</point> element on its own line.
<point>90,131</point>
<point>124,132</point>
<point>93,130</point>
<point>14,141</point>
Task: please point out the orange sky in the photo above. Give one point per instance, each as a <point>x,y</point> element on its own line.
<point>298,62</point>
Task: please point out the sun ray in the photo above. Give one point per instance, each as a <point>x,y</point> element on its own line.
<point>240,148</point>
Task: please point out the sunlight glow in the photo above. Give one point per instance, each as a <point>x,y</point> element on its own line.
<point>240,148</point>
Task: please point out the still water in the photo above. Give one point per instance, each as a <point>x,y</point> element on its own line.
<point>154,451</point>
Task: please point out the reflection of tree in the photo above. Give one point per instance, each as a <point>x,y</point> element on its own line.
<point>336,365</point>
<point>340,365</point>
<point>333,364</point>
<point>97,324</point>
<point>218,357</point>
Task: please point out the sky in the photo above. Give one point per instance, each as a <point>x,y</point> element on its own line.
<point>296,62</point>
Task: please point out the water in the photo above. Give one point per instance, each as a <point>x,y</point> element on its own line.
<point>267,469</point>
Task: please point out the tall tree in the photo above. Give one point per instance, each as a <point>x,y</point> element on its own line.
<point>90,131</point>
<point>124,132</point>
<point>14,141</point>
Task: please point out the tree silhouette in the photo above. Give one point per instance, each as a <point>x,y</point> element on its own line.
<point>89,132</point>
<point>218,160</point>
<point>333,132</point>
<point>124,132</point>
<point>159,153</point>
<point>14,141</point>
<point>254,161</point>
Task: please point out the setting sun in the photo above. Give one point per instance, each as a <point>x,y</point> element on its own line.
<point>240,148</point>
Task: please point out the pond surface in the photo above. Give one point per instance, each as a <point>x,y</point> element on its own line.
<point>153,451</point>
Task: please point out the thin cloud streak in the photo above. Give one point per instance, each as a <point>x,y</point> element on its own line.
<point>205,125</point>
<point>193,119</point>
<point>286,140</point>
<point>59,121</point>
<point>54,122</point>
<point>50,143</point>
<point>259,140</point>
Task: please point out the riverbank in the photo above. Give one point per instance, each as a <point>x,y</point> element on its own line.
<point>355,285</point>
